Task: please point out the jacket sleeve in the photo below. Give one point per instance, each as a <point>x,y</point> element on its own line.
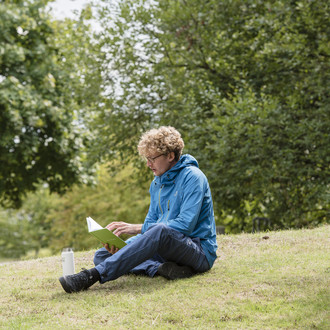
<point>193,195</point>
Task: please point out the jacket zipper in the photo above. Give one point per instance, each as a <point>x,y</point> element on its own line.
<point>159,199</point>
<point>168,204</point>
<point>168,210</point>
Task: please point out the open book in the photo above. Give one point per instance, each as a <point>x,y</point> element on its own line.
<point>104,235</point>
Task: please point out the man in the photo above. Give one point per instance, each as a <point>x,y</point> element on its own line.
<point>178,237</point>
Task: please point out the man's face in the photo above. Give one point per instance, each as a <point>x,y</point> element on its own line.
<point>160,163</point>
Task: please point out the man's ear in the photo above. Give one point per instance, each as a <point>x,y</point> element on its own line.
<point>171,156</point>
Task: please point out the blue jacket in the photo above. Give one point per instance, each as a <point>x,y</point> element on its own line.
<point>181,198</point>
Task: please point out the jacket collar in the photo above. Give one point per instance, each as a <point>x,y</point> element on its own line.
<point>169,176</point>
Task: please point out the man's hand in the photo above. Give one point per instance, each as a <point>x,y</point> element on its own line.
<point>111,249</point>
<point>120,227</point>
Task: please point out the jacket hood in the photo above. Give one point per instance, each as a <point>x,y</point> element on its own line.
<point>184,161</point>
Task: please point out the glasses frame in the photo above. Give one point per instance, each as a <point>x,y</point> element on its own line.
<point>152,159</point>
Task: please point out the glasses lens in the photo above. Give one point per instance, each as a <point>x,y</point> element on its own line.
<point>152,159</point>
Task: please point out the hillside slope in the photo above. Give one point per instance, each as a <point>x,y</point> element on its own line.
<point>260,281</point>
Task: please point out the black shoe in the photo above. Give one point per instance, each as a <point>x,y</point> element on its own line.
<point>79,282</point>
<point>172,271</point>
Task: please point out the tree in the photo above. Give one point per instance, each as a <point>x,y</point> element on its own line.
<point>45,90</point>
<point>112,199</point>
<point>247,85</point>
<point>13,243</point>
<point>28,228</point>
<point>52,222</point>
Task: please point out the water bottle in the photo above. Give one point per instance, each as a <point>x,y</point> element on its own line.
<point>67,261</point>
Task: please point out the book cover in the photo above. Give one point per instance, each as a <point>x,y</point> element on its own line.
<point>104,235</point>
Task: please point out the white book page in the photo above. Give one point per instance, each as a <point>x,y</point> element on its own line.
<point>92,225</point>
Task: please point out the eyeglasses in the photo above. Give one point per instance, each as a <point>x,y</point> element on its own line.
<point>152,159</point>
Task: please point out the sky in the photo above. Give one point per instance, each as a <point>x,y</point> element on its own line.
<point>65,8</point>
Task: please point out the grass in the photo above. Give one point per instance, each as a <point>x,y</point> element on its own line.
<point>277,283</point>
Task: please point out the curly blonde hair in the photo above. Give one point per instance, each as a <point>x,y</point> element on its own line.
<point>163,140</point>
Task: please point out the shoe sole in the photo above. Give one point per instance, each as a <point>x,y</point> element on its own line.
<point>64,285</point>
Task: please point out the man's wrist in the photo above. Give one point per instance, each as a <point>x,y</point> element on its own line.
<point>138,228</point>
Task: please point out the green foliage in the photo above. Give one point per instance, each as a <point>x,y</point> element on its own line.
<point>12,241</point>
<point>52,221</point>
<point>247,85</point>
<point>43,76</point>
<point>131,88</point>
<point>114,198</point>
<point>28,228</point>
<point>268,159</point>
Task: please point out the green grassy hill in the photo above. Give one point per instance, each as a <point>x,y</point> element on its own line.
<point>260,281</point>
